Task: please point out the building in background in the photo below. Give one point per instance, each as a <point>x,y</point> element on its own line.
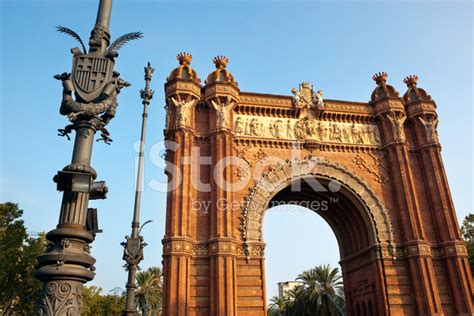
<point>285,287</point>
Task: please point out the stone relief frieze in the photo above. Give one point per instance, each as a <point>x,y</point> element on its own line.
<point>307,128</point>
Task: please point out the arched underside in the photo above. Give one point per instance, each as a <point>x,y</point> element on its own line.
<point>354,212</point>
<point>345,214</point>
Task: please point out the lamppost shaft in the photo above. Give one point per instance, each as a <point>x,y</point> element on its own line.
<point>133,247</point>
<point>67,263</point>
<point>103,14</point>
<point>138,191</point>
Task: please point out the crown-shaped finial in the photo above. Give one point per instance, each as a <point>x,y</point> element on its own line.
<point>220,61</point>
<point>380,78</point>
<point>305,84</point>
<point>411,80</point>
<point>184,58</point>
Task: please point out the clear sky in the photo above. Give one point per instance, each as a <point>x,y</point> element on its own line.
<point>272,47</point>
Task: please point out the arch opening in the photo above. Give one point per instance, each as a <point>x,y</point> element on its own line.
<point>355,214</point>
<point>317,179</point>
<point>344,212</point>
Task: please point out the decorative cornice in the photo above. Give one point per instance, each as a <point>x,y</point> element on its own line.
<point>220,247</point>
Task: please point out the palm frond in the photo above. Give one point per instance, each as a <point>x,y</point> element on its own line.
<point>73,34</point>
<point>124,39</point>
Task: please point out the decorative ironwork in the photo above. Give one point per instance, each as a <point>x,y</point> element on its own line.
<point>89,101</point>
<point>134,244</point>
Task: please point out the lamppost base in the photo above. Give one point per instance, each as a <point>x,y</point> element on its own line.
<point>61,297</point>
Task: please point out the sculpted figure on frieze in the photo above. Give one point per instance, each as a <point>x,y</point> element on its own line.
<point>300,129</point>
<point>336,134</point>
<point>322,132</point>
<point>276,129</point>
<point>306,128</point>
<point>356,135</point>
<point>289,129</point>
<point>310,127</point>
<point>239,126</point>
<point>255,127</point>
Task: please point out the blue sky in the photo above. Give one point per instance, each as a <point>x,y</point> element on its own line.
<point>272,47</point>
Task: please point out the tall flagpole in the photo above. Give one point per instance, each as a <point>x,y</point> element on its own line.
<point>133,247</point>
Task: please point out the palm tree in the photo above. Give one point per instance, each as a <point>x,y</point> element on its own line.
<point>297,302</point>
<point>323,290</point>
<point>149,290</point>
<point>277,306</point>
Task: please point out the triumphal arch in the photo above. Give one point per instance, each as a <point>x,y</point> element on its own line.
<point>372,170</point>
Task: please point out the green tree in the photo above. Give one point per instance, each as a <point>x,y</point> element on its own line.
<point>150,290</point>
<point>467,230</point>
<point>277,306</point>
<point>94,303</point>
<point>19,290</point>
<point>321,293</point>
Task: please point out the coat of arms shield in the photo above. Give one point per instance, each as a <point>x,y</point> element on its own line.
<point>90,74</point>
<point>133,250</point>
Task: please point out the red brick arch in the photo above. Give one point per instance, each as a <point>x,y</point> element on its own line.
<point>377,217</point>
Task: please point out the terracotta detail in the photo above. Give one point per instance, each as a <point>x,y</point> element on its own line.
<point>376,166</point>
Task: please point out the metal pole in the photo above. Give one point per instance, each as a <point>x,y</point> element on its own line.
<point>67,264</point>
<point>133,247</point>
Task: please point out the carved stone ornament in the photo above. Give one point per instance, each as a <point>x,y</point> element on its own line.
<point>223,112</point>
<point>167,117</point>
<point>396,121</point>
<point>93,81</point>
<point>256,203</point>
<point>306,97</point>
<point>307,128</point>
<point>376,168</point>
<point>61,298</point>
<point>183,110</point>
<point>430,126</point>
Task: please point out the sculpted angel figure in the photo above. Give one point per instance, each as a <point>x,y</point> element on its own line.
<point>397,126</point>
<point>318,98</point>
<point>183,109</point>
<point>430,129</point>
<point>222,111</point>
<point>297,98</point>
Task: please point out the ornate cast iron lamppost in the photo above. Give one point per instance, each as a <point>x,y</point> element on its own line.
<point>133,247</point>
<point>67,263</point>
